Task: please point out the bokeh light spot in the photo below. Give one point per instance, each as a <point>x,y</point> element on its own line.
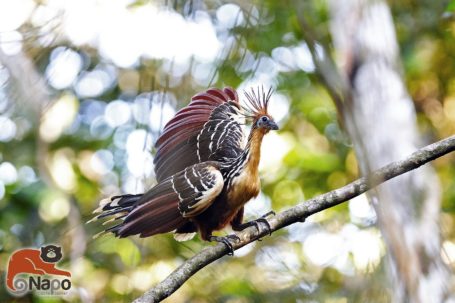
<point>229,16</point>
<point>117,112</point>
<point>54,208</point>
<point>8,173</point>
<point>64,67</point>
<point>8,129</point>
<point>322,248</point>
<point>2,190</point>
<point>61,169</point>
<point>11,42</point>
<point>58,117</point>
<point>14,13</point>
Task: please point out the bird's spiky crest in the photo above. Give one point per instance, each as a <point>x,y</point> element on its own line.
<point>257,102</point>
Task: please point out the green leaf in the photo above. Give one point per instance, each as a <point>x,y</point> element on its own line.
<point>451,6</point>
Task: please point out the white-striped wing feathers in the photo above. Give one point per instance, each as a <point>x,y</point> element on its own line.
<point>197,187</point>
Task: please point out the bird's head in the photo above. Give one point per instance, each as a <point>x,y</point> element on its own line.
<point>256,109</point>
<point>265,122</point>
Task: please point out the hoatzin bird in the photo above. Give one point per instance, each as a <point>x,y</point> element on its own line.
<point>205,171</point>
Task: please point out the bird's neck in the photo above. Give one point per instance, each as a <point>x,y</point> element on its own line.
<point>253,150</point>
<point>243,175</point>
<point>248,161</point>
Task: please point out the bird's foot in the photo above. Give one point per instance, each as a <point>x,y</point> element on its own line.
<point>255,223</point>
<point>225,241</point>
<point>263,219</point>
<point>270,213</point>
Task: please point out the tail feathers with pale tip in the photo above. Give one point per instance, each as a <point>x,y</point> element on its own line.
<point>114,208</point>
<point>154,212</point>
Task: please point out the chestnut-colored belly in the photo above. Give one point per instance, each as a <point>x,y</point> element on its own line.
<point>226,206</point>
<point>243,188</point>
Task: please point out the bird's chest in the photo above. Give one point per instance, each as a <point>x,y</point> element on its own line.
<point>243,187</point>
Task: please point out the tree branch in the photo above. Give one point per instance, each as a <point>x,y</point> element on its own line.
<point>295,214</point>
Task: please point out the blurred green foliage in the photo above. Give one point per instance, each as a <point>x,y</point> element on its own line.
<point>57,164</point>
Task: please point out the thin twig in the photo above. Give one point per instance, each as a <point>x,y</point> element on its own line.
<point>295,214</point>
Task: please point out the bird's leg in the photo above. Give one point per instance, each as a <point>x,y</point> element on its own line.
<point>225,241</point>
<point>241,226</point>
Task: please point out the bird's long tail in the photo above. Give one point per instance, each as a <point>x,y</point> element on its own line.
<point>144,214</point>
<point>114,209</point>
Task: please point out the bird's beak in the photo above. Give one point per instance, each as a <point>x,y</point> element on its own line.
<point>272,125</point>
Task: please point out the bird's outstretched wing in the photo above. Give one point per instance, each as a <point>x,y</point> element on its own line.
<point>208,129</point>
<point>168,205</point>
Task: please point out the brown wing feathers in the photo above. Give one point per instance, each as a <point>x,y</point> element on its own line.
<point>205,130</point>
<point>193,117</point>
<point>197,187</point>
<point>148,214</point>
<point>181,142</point>
<point>158,215</point>
<point>166,206</point>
